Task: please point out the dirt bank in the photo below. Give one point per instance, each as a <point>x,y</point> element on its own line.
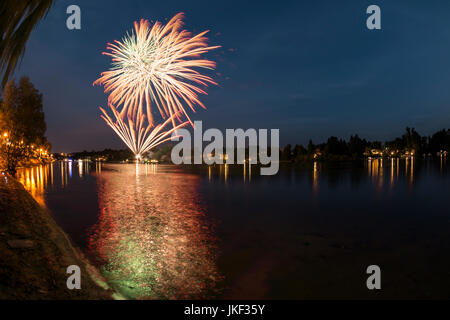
<point>35,252</point>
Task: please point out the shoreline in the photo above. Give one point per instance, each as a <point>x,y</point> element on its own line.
<point>35,253</point>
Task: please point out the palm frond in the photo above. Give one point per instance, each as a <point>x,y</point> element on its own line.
<point>17,19</point>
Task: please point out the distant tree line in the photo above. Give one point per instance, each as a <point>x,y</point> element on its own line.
<point>161,153</point>
<point>411,143</point>
<point>105,155</point>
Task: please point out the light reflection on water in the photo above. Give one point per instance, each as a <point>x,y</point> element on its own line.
<point>153,232</point>
<point>37,179</point>
<point>151,238</point>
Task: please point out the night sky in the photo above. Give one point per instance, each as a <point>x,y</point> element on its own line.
<point>310,68</point>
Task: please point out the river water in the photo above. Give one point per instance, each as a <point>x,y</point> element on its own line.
<point>166,232</point>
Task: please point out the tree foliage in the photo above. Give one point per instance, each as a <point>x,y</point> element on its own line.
<point>411,142</point>
<point>22,122</point>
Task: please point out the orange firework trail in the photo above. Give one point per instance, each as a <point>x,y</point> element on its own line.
<point>137,134</point>
<point>156,65</point>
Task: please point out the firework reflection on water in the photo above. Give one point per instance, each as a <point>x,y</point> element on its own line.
<point>152,240</point>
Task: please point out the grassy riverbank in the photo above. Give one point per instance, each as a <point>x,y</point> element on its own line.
<point>35,252</point>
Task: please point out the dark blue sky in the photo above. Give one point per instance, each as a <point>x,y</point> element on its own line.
<point>310,68</point>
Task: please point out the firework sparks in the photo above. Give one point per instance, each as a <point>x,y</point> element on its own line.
<point>156,65</point>
<point>139,135</point>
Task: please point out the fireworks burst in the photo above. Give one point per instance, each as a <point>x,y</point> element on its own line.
<point>137,134</point>
<point>156,65</point>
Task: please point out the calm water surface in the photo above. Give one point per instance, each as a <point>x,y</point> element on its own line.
<point>166,232</point>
